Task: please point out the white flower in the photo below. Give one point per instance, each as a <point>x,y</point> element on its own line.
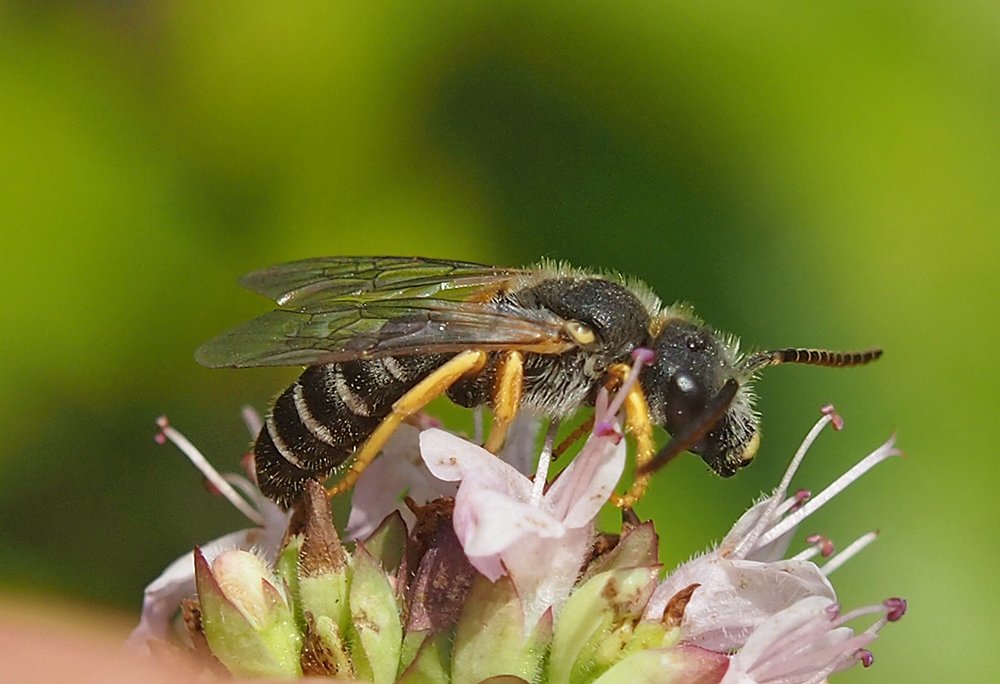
<point>511,525</point>
<point>163,595</point>
<point>505,528</point>
<point>400,472</point>
<point>807,642</point>
<point>746,580</point>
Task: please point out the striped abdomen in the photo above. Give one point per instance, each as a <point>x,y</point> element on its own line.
<point>317,423</point>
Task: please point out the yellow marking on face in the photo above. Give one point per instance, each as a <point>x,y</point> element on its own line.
<point>751,450</point>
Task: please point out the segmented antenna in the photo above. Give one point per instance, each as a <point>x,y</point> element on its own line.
<point>811,357</point>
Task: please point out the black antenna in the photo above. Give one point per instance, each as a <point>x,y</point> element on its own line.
<point>697,429</point>
<point>812,357</point>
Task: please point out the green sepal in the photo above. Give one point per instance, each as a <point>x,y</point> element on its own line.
<point>650,634</point>
<point>490,639</point>
<point>323,565</point>
<point>326,595</point>
<point>324,652</point>
<point>286,570</point>
<point>376,632</point>
<point>596,623</point>
<point>638,547</point>
<point>682,665</point>
<point>412,643</point>
<point>388,542</point>
<point>268,649</point>
<point>427,657</point>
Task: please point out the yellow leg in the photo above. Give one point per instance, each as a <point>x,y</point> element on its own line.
<point>506,398</point>
<point>637,422</point>
<point>431,387</point>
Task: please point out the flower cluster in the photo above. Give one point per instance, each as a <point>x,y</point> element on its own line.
<point>457,567</point>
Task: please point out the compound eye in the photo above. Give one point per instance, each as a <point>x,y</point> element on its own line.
<point>580,333</point>
<point>686,398</point>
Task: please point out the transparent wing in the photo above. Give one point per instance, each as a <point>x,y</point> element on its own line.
<point>315,282</point>
<point>347,308</point>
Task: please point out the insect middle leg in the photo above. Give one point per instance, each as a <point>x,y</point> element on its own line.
<point>506,397</point>
<point>428,389</point>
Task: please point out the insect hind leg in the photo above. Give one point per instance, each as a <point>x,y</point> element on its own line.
<point>411,403</point>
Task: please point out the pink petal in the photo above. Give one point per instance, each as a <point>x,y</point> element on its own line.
<point>767,633</point>
<point>545,570</point>
<point>398,472</point>
<point>736,596</point>
<point>586,484</point>
<point>491,522</point>
<point>451,458</point>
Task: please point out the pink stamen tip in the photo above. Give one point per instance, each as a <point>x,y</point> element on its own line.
<point>162,423</point>
<point>160,438</point>
<point>644,354</point>
<point>802,496</point>
<point>896,608</point>
<point>866,657</point>
<point>835,418</point>
<point>605,428</point>
<point>248,464</point>
<point>833,610</point>
<point>823,543</point>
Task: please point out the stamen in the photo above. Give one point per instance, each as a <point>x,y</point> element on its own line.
<point>866,657</point>
<point>478,429</point>
<point>884,608</point>
<point>606,428</point>
<point>645,355</point>
<point>252,420</point>
<point>863,466</point>
<point>247,489</point>
<point>776,659</point>
<point>750,541</point>
<point>793,503</point>
<point>544,461</point>
<point>896,607</point>
<point>641,356</point>
<point>207,470</point>
<point>605,421</point>
<point>838,421</point>
<point>853,549</point>
<point>248,462</point>
<point>801,497</point>
<point>819,546</point>
<point>584,460</point>
<point>831,655</point>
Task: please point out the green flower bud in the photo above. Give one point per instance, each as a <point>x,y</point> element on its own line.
<point>246,617</point>
<point>376,633</point>
<point>597,623</point>
<point>490,640</point>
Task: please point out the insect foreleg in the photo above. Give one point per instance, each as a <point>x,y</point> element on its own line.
<point>506,397</point>
<point>581,431</point>
<point>428,389</point>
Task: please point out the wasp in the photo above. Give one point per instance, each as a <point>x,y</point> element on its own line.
<point>382,336</point>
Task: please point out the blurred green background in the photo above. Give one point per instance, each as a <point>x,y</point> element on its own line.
<point>817,174</point>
